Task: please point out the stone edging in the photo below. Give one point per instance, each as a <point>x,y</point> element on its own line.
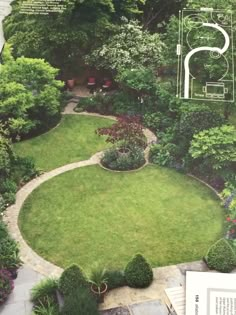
<point>206,184</point>
<point>27,254</point>
<point>127,171</point>
<point>11,214</point>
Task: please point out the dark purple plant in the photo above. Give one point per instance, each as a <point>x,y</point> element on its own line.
<point>127,131</point>
<point>6,285</point>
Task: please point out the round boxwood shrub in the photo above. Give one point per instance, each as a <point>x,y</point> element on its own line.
<point>221,256</point>
<point>6,285</point>
<point>138,272</point>
<point>80,302</point>
<point>71,279</point>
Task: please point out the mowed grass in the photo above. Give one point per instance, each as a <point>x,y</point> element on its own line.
<point>73,140</point>
<point>90,215</point>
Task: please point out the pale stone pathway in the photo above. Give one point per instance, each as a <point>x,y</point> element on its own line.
<point>132,299</point>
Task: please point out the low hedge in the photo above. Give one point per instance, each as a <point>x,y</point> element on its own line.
<point>115,279</point>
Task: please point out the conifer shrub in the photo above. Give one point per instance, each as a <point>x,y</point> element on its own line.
<point>138,272</point>
<point>71,279</point>
<point>221,256</point>
<point>80,302</point>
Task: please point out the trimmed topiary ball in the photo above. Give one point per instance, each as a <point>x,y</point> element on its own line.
<point>138,272</point>
<point>221,256</point>
<point>71,279</point>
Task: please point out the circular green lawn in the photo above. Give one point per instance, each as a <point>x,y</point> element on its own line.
<point>90,215</point>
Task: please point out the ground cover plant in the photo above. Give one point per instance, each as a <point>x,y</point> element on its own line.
<point>73,140</point>
<point>109,217</point>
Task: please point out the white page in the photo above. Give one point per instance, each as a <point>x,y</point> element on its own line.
<point>210,293</point>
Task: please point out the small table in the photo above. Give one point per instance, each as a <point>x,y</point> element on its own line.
<point>177,299</point>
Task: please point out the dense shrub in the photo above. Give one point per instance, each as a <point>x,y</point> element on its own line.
<point>3,230</point>
<point>138,272</point>
<point>23,169</point>
<point>131,160</point>
<point>124,103</point>
<point>6,285</point>
<point>197,119</point>
<point>8,185</point>
<point>165,155</point>
<point>72,278</point>
<point>81,302</point>
<point>115,279</point>
<point>49,307</point>
<point>43,290</point>
<point>221,256</point>
<point>97,103</point>
<point>157,121</point>
<point>9,253</point>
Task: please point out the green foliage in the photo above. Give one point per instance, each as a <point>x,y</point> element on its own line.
<point>198,118</point>
<point>29,95</point>
<point>115,279</point>
<point>141,80</point>
<point>3,230</point>
<point>43,290</point>
<point>221,256</point>
<point>80,302</point>
<point>157,121</point>
<point>154,18</point>
<point>115,160</point>
<point>5,152</point>
<point>8,186</point>
<point>138,272</point>
<point>130,48</point>
<point>23,169</point>
<point>9,253</point>
<point>63,39</point>
<point>98,278</point>
<point>48,307</point>
<point>71,279</point>
<point>163,154</point>
<point>216,146</point>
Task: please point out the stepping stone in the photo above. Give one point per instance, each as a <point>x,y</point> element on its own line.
<point>149,308</point>
<point>116,311</point>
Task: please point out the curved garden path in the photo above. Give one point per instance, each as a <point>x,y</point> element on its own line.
<point>143,301</point>
<point>29,256</point>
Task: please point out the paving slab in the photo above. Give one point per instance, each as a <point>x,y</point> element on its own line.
<point>116,311</point>
<point>164,277</point>
<point>18,303</point>
<point>149,308</point>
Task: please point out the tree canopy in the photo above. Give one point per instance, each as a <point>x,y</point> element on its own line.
<point>29,93</point>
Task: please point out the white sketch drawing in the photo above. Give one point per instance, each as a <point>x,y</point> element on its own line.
<point>205,55</point>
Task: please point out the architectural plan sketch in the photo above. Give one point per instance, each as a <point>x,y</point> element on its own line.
<point>205,55</point>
